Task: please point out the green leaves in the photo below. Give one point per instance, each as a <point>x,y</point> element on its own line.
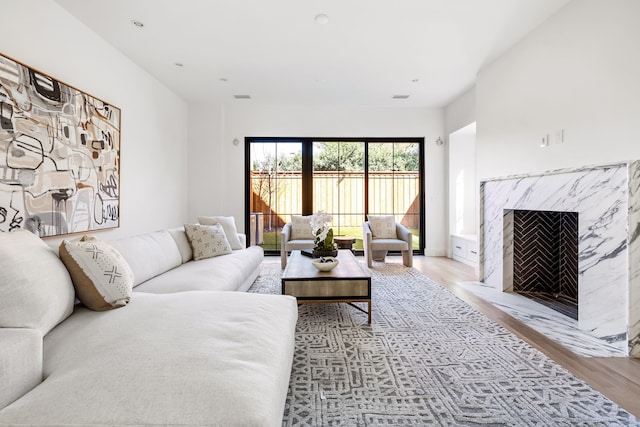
<point>327,244</point>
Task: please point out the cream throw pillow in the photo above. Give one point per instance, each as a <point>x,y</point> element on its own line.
<point>207,241</point>
<point>301,228</point>
<point>383,226</point>
<point>228,223</point>
<point>35,288</point>
<point>101,276</point>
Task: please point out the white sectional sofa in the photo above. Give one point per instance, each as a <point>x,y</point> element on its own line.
<point>161,263</point>
<point>187,350</point>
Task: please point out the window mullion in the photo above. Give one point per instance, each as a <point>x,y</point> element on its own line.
<point>307,177</point>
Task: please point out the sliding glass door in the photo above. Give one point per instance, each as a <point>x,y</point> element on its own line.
<point>275,189</point>
<point>394,184</point>
<point>346,177</point>
<point>338,185</point>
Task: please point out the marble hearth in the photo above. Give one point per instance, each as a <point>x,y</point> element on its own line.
<point>606,199</point>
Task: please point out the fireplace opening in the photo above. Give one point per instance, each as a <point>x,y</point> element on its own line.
<point>545,258</point>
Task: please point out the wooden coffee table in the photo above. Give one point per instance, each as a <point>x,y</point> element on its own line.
<point>348,282</point>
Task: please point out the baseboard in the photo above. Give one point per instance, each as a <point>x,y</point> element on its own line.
<point>465,261</point>
<point>435,252</point>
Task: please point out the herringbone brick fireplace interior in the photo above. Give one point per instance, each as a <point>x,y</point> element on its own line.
<point>545,258</point>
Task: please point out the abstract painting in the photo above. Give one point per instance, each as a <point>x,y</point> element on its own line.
<point>59,155</point>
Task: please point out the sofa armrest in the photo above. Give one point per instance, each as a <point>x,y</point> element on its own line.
<point>243,239</point>
<point>20,363</point>
<point>406,235</point>
<point>285,236</point>
<point>367,236</point>
<point>286,233</point>
<point>403,233</point>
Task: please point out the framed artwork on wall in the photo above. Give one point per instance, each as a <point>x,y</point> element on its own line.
<point>59,155</point>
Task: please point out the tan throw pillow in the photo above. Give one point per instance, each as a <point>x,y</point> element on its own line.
<point>207,241</point>
<point>228,223</point>
<point>101,276</point>
<point>301,227</point>
<point>383,226</point>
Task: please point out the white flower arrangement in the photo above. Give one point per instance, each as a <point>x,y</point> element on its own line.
<point>324,234</point>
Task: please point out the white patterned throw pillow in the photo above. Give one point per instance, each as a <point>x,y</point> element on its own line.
<point>383,226</point>
<point>207,241</point>
<point>301,228</point>
<point>228,223</point>
<point>101,276</point>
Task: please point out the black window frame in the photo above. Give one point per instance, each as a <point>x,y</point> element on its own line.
<point>307,175</point>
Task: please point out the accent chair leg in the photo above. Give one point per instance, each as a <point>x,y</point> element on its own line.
<point>379,255</point>
<point>407,258</point>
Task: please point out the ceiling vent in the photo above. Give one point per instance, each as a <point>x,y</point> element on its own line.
<point>242,96</point>
<point>400,96</point>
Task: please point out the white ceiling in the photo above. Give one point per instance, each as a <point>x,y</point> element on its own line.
<point>277,53</point>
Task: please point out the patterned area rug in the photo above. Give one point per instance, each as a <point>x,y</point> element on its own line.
<point>427,359</point>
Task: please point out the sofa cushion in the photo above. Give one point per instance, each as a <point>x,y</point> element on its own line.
<point>101,276</point>
<point>192,358</point>
<point>301,228</point>
<point>293,245</point>
<point>224,273</point>
<point>383,226</point>
<point>389,245</point>
<point>149,254</point>
<point>20,362</point>
<point>182,242</point>
<point>228,223</point>
<point>207,241</point>
<point>35,288</point>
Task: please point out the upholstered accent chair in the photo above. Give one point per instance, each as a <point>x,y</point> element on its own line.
<point>295,235</point>
<point>382,234</point>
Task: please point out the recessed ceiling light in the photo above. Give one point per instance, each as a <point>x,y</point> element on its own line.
<point>178,64</point>
<point>400,96</point>
<point>322,19</point>
<point>224,79</point>
<point>242,96</point>
<point>137,23</point>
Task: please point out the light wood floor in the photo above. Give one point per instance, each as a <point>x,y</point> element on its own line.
<point>617,378</point>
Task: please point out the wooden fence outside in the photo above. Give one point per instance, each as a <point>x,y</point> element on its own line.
<point>340,194</point>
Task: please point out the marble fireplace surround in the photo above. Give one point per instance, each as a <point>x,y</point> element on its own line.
<point>607,200</point>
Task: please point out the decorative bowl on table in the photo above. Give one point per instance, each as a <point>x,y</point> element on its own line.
<point>325,263</point>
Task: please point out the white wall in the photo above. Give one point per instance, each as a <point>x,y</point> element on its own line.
<point>208,162</point>
<point>579,71</point>
<point>225,161</point>
<point>461,111</point>
<point>463,187</point>
<point>153,178</point>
